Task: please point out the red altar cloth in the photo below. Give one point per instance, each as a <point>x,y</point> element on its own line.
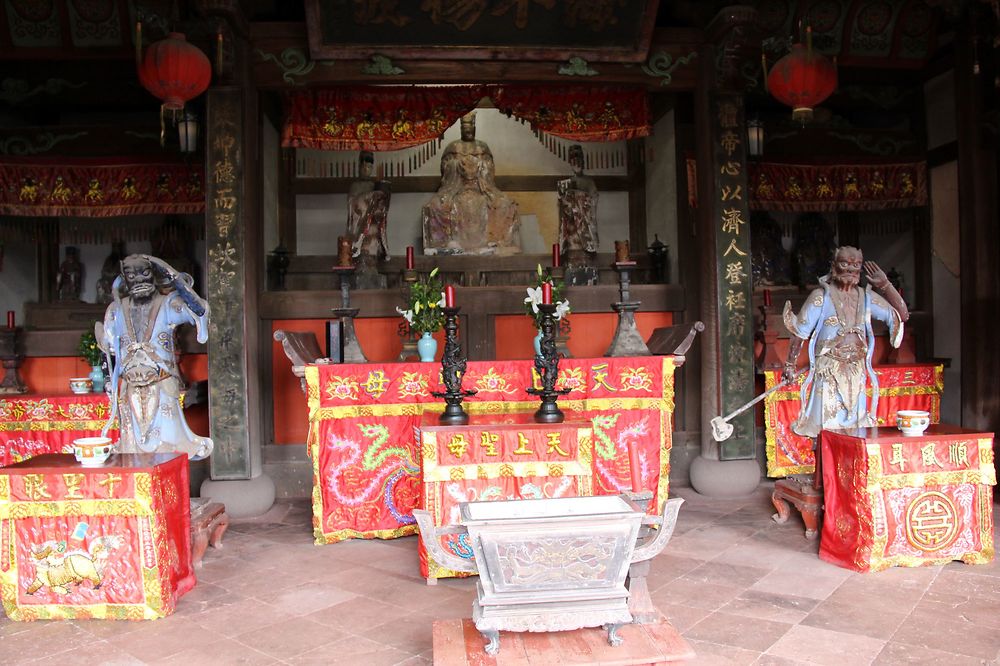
<point>892,500</point>
<point>917,386</point>
<point>366,473</point>
<point>108,542</point>
<point>502,457</point>
<point>34,424</point>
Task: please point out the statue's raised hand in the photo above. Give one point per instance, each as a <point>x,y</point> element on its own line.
<point>876,276</point>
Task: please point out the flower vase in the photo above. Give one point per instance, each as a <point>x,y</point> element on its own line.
<point>427,347</point>
<point>97,378</point>
<point>537,341</point>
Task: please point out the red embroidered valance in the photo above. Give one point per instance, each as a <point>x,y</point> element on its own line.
<point>99,187</point>
<point>801,188</point>
<point>374,117</point>
<point>579,113</point>
<point>392,118</point>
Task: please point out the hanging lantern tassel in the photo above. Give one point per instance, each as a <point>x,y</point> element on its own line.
<point>218,53</point>
<point>763,65</point>
<point>163,125</point>
<point>138,43</point>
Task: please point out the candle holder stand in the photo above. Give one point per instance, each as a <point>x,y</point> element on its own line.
<point>558,274</point>
<point>406,331</point>
<point>11,356</point>
<point>547,366</point>
<point>452,370</point>
<point>346,314</point>
<point>627,341</point>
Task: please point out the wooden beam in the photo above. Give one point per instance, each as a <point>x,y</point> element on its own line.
<point>430,184</point>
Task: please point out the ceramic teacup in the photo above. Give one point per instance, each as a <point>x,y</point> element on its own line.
<point>81,384</point>
<point>92,451</point>
<point>912,422</point>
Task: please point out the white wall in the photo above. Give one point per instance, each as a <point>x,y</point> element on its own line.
<point>516,151</point>
<point>661,190</point>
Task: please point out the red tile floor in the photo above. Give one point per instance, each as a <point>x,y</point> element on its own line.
<point>740,588</point>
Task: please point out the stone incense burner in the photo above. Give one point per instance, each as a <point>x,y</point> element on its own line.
<point>552,564</point>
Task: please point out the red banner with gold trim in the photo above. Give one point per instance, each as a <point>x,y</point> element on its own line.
<point>110,542</point>
<point>33,425</point>
<point>801,188</point>
<point>497,457</point>
<point>892,500</point>
<point>366,466</point>
<point>916,386</point>
<point>99,187</point>
<point>374,117</point>
<point>579,113</point>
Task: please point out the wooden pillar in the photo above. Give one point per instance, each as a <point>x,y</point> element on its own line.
<point>229,353</point>
<point>979,240</point>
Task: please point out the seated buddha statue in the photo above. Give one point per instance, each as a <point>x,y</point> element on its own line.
<point>469,214</point>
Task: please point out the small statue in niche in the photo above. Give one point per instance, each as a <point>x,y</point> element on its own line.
<point>368,210</point>
<point>769,261</point>
<point>138,332</point>
<point>109,271</point>
<point>578,240</point>
<point>367,218</point>
<point>813,248</point>
<point>469,214</point>
<point>70,277</point>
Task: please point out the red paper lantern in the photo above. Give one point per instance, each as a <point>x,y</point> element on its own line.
<point>802,80</point>
<point>175,71</point>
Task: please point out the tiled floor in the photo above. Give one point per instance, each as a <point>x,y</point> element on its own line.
<point>742,590</point>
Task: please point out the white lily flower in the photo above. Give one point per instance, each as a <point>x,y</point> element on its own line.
<point>441,303</point>
<point>562,309</point>
<point>534,297</point>
<point>407,315</point>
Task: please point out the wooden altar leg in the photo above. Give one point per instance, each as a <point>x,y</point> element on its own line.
<point>805,497</point>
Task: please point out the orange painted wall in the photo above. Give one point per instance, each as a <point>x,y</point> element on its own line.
<point>50,375</point>
<point>590,335</point>
<point>379,341</point>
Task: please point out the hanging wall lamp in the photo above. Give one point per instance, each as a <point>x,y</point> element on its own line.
<point>187,132</point>
<point>755,137</point>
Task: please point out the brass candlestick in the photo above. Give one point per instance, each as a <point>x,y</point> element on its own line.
<point>452,370</point>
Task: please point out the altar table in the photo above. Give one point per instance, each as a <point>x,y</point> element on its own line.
<point>916,386</point>
<point>34,424</point>
<point>893,500</point>
<point>502,457</point>
<point>108,542</point>
<point>366,469</point>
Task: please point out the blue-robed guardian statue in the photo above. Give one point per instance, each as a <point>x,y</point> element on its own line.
<point>139,333</point>
<point>836,323</point>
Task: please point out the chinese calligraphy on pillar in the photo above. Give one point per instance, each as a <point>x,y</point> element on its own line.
<point>732,245</point>
<point>224,236</point>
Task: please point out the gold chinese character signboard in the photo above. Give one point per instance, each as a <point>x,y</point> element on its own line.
<point>498,457</point>
<point>110,542</point>
<point>892,500</point>
<point>597,30</point>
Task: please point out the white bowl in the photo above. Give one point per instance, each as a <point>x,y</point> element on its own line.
<point>92,451</point>
<point>913,422</point>
<point>81,385</point>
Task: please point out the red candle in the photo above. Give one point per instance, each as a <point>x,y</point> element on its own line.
<point>10,319</point>
<point>767,298</point>
<point>555,255</point>
<point>409,257</point>
<point>633,463</point>
<point>547,293</point>
<point>449,296</point>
